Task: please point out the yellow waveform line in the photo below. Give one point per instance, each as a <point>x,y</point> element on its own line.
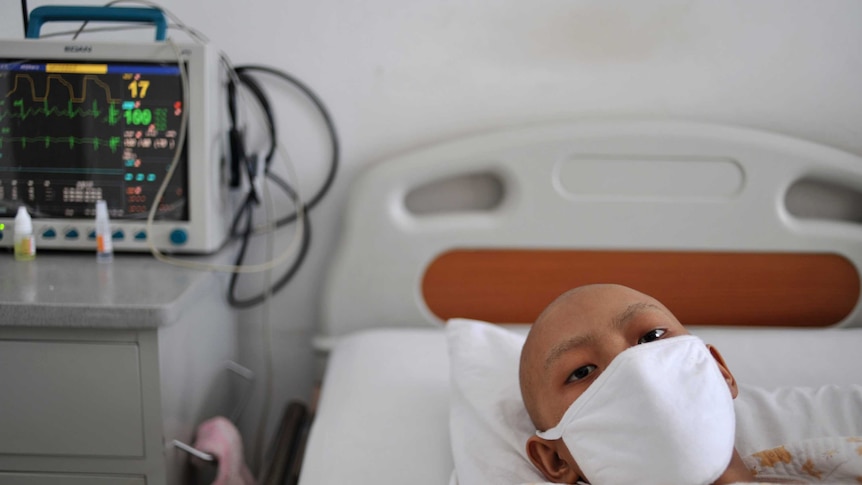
<point>67,84</point>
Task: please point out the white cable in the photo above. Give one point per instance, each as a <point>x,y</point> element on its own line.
<point>193,33</point>
<point>266,336</point>
<point>269,227</point>
<point>265,317</point>
<point>287,161</point>
<point>90,30</point>
<point>285,256</point>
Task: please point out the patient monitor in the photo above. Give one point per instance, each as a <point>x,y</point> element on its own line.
<point>81,122</point>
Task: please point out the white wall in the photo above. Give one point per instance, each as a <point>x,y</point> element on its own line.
<point>399,74</point>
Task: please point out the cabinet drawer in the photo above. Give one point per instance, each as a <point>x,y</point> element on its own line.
<point>70,399</point>
<point>24,478</point>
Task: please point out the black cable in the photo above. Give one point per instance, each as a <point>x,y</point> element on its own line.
<point>235,137</point>
<point>259,93</point>
<point>246,208</point>
<point>25,12</point>
<point>330,126</point>
<point>284,280</point>
<point>238,145</point>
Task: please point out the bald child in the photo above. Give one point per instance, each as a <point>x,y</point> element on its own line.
<point>620,392</point>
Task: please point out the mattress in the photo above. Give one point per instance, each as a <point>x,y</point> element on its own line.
<point>383,415</point>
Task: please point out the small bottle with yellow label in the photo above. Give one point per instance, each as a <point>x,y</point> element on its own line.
<point>104,244</point>
<point>25,243</point>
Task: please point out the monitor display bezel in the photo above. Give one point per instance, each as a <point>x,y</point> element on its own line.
<point>210,202</point>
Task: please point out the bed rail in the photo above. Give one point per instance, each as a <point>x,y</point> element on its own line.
<point>628,186</point>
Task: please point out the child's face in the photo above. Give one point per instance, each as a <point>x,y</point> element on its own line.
<point>577,337</point>
<point>580,334</point>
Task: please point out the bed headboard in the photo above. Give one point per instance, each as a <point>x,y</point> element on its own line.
<point>693,214</point>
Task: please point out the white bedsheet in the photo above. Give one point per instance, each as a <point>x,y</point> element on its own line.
<point>383,415</point>
<point>383,412</point>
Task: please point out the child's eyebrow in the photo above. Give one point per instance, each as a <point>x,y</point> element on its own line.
<point>626,315</point>
<point>565,346</point>
<point>576,341</point>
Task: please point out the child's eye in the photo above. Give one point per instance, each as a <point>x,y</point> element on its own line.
<point>652,335</point>
<point>580,373</point>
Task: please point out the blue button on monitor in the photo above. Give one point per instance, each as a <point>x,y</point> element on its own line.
<point>49,233</point>
<point>92,235</point>
<point>141,236</point>
<point>72,234</point>
<point>179,237</point>
<point>118,235</point>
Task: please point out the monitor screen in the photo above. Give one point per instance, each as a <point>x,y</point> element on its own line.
<point>72,133</point>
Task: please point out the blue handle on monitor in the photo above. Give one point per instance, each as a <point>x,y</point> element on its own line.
<point>57,13</point>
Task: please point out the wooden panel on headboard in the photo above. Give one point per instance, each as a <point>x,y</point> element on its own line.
<point>700,288</point>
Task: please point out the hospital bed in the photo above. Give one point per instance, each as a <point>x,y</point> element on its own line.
<point>751,238</point>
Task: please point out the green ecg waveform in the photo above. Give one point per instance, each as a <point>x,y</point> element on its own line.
<point>22,111</point>
<point>39,105</point>
<point>112,143</point>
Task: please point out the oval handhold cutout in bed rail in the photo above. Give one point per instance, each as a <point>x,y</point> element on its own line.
<point>474,191</point>
<point>820,199</point>
<point>700,288</point>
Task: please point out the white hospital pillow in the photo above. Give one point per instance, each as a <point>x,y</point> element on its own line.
<point>489,425</point>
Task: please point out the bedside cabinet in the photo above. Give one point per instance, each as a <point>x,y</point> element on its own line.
<point>103,366</point>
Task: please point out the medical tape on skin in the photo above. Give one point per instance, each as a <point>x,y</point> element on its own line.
<point>556,432</point>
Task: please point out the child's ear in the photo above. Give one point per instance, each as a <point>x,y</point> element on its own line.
<point>725,372</point>
<point>552,461</point>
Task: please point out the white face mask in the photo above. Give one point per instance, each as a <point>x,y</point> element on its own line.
<point>661,413</point>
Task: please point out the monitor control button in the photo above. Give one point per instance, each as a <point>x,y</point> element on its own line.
<point>72,234</point>
<point>141,236</point>
<point>49,233</point>
<point>118,235</point>
<point>179,237</point>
